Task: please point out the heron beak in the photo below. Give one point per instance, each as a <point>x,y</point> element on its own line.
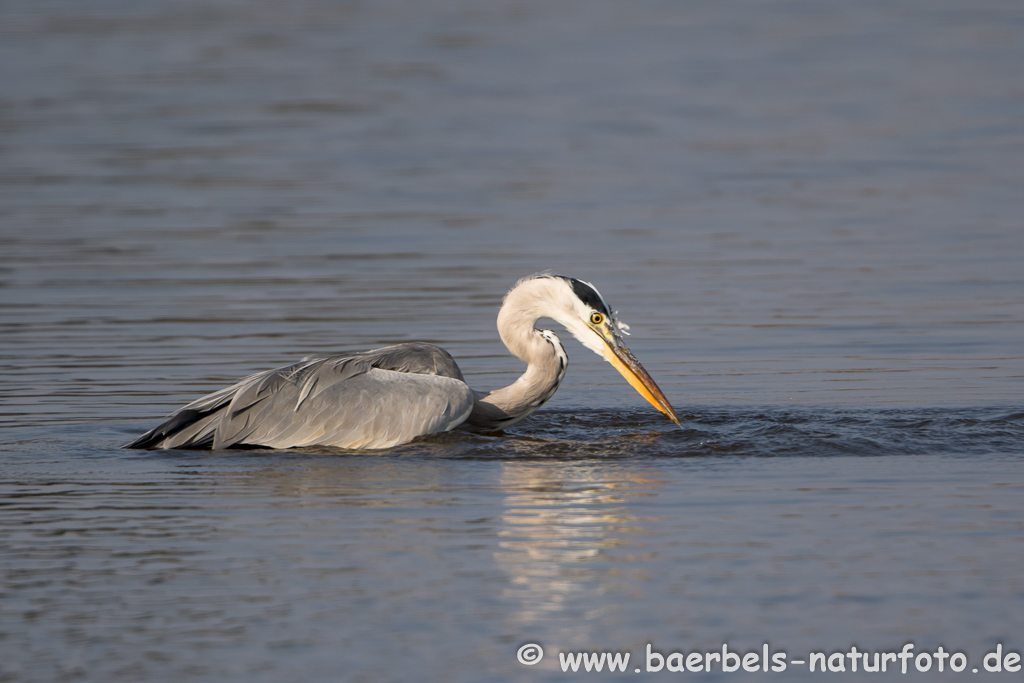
<point>626,363</point>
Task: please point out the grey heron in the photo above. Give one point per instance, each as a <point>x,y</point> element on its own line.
<point>390,396</point>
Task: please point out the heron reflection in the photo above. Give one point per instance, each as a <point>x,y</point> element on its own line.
<point>390,396</point>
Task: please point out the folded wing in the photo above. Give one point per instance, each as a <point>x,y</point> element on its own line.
<point>376,399</point>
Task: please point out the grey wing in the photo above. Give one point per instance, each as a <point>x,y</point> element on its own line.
<point>375,399</point>
<point>413,357</point>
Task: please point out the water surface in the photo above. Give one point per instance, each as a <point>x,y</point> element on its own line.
<point>810,215</point>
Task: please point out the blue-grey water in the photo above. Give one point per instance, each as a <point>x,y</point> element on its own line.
<point>810,213</point>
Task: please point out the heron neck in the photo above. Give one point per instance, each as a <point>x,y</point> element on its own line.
<point>545,360</point>
<point>504,407</point>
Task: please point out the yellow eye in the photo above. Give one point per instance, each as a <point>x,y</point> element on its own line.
<point>596,318</point>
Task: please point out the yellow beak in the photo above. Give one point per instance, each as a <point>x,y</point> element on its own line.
<point>627,364</point>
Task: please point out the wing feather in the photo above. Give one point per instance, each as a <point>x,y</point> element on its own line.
<point>375,399</point>
<point>377,409</point>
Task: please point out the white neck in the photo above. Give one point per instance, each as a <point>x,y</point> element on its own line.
<point>541,350</point>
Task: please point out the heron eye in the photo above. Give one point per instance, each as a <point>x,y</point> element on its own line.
<point>596,318</point>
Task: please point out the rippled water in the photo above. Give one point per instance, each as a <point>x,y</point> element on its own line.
<point>809,213</point>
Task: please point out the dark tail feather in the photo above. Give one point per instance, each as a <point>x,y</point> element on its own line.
<point>177,422</point>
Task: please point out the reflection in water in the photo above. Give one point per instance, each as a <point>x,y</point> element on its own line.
<point>559,522</point>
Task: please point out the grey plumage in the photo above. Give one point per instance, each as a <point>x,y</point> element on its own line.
<point>390,396</point>
<point>346,401</point>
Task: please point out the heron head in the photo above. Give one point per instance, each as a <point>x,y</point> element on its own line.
<point>581,309</point>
